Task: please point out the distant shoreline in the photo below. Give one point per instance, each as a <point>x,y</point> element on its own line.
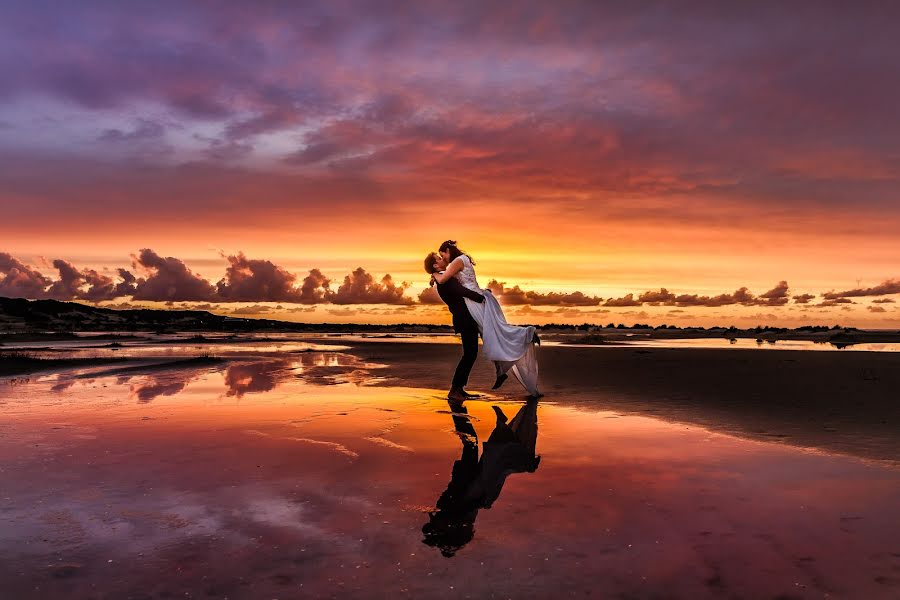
<point>48,320</point>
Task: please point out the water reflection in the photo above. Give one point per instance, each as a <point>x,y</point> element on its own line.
<point>476,483</point>
<point>153,386</point>
<point>245,378</point>
<point>242,375</point>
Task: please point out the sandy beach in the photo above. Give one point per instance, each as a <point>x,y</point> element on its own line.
<point>336,468</point>
<point>835,401</point>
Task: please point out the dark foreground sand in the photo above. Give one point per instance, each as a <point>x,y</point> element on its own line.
<point>837,401</point>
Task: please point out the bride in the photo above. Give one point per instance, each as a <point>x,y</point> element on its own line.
<point>510,347</point>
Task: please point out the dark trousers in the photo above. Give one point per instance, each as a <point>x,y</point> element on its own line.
<point>469,337</point>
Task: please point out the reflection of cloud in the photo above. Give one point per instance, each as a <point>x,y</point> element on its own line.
<point>883,301</point>
<point>263,375</point>
<point>154,386</point>
<point>167,382</point>
<point>63,385</point>
<point>248,378</point>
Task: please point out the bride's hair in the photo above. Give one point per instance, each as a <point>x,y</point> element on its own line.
<point>454,250</point>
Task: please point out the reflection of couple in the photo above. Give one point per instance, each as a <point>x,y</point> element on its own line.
<point>476,484</point>
<point>475,311</point>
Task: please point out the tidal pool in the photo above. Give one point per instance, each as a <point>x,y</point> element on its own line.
<point>284,477</point>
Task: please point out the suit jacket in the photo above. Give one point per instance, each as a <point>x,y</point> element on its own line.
<point>453,293</point>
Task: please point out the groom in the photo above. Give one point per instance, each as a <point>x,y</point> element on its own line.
<point>453,293</point>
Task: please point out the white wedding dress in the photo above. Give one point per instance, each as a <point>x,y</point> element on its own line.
<point>510,346</point>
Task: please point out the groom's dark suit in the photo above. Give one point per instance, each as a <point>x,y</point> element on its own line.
<point>453,293</point>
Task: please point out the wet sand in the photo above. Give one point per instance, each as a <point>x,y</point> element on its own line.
<point>834,401</point>
<point>346,474</point>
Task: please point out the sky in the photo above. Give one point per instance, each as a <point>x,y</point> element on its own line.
<point>698,162</point>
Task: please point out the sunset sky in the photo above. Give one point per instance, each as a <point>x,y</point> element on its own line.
<point>248,157</point>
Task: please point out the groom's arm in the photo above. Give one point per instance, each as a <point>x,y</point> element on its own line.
<point>471,294</point>
<point>455,287</point>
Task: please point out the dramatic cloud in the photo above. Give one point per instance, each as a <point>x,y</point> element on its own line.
<point>740,108</point>
<point>740,296</point>
<point>263,281</point>
<point>627,300</point>
<point>777,296</point>
<point>516,296</point>
<point>18,280</point>
<point>656,298</point>
<point>255,281</point>
<point>170,279</point>
<point>360,287</point>
<point>69,283</point>
<point>314,289</point>
<point>830,302</point>
<point>256,309</point>
<point>891,286</point>
<point>430,296</point>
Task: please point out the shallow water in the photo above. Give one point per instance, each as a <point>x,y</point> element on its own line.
<point>288,476</point>
<point>746,343</point>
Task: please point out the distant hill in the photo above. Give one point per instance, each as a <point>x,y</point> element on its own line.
<point>18,315</point>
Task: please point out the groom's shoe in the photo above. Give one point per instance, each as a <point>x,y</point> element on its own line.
<point>456,395</point>
<point>501,378</point>
<point>470,396</point>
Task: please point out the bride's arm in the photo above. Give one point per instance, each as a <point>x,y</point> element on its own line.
<point>452,269</point>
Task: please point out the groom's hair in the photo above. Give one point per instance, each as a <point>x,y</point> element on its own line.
<point>429,263</point>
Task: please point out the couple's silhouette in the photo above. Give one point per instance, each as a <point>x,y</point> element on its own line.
<point>477,312</point>
<point>475,483</point>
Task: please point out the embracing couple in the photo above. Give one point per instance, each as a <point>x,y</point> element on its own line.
<point>476,311</point>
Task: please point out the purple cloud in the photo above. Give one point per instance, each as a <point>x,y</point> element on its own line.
<point>886,288</point>
<point>170,279</point>
<point>359,287</point>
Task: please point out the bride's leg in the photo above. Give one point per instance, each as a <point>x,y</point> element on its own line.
<point>501,375</point>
